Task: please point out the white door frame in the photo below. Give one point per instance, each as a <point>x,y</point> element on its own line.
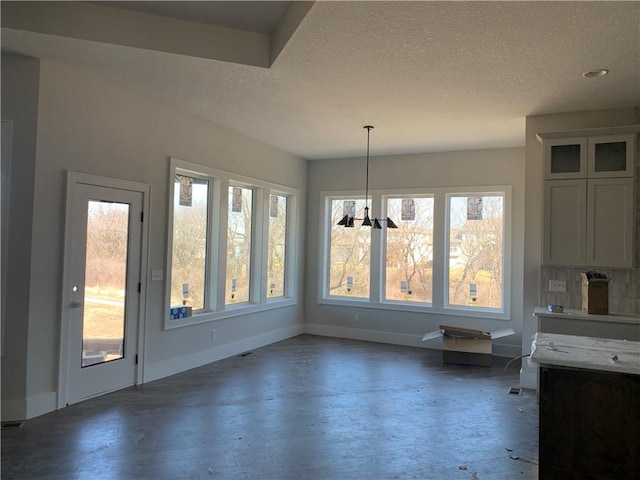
<point>74,178</point>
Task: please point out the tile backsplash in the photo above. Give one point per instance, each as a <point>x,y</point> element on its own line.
<point>624,288</point>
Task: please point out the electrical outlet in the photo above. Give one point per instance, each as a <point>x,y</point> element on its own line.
<point>356,317</point>
<point>557,286</point>
<point>214,334</point>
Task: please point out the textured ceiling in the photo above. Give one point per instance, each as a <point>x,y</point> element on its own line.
<point>431,76</point>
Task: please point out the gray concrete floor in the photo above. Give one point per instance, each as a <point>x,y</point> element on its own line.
<point>305,408</point>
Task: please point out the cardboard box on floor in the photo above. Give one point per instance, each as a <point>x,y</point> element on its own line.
<point>465,346</point>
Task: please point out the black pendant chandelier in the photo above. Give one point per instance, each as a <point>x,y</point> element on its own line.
<point>347,221</point>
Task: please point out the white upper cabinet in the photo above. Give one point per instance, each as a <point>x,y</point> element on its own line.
<point>589,202</point>
<point>603,155</point>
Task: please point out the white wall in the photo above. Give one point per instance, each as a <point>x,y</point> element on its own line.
<point>534,204</point>
<point>87,126</point>
<point>450,169</point>
<point>20,107</point>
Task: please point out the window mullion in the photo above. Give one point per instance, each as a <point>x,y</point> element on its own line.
<point>259,246</point>
<point>291,246</point>
<point>213,247</point>
<point>382,289</point>
<point>324,255</point>
<point>440,255</point>
<point>221,273</point>
<point>375,273</point>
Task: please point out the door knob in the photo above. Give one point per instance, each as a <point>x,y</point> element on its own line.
<point>75,304</point>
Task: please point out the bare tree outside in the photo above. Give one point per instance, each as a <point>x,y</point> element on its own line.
<point>276,246</point>
<point>190,237</point>
<point>350,253</point>
<point>409,252</point>
<point>239,225</point>
<point>105,281</point>
<point>476,252</point>
<point>107,236</point>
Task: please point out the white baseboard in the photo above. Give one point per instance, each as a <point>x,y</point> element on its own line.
<point>366,335</point>
<point>408,340</point>
<point>197,359</point>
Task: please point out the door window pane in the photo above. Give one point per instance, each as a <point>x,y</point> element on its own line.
<point>409,250</point>
<point>276,245</point>
<point>103,319</point>
<point>476,256</point>
<point>189,254</point>
<point>349,251</point>
<point>239,245</point>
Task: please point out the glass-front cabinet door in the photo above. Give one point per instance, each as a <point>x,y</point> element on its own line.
<point>605,156</point>
<point>611,156</point>
<point>566,158</point>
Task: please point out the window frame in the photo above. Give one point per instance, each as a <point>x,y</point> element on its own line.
<point>504,310</point>
<point>325,256</point>
<point>253,293</point>
<point>439,303</point>
<point>209,300</point>
<point>289,233</point>
<point>215,274</point>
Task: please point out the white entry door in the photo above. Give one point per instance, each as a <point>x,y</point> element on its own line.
<point>101,305</point>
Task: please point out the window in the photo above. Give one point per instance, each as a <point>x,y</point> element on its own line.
<point>190,239</point>
<point>449,254</point>
<point>277,243</point>
<point>409,249</point>
<point>232,241</point>
<point>350,251</point>
<point>475,233</point>
<point>239,221</point>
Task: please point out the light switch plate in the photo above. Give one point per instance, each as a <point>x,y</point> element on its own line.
<point>156,275</point>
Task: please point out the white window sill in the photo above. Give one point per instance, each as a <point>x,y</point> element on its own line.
<point>229,312</point>
<point>417,308</point>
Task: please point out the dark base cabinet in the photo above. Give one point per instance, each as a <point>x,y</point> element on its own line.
<point>589,424</point>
